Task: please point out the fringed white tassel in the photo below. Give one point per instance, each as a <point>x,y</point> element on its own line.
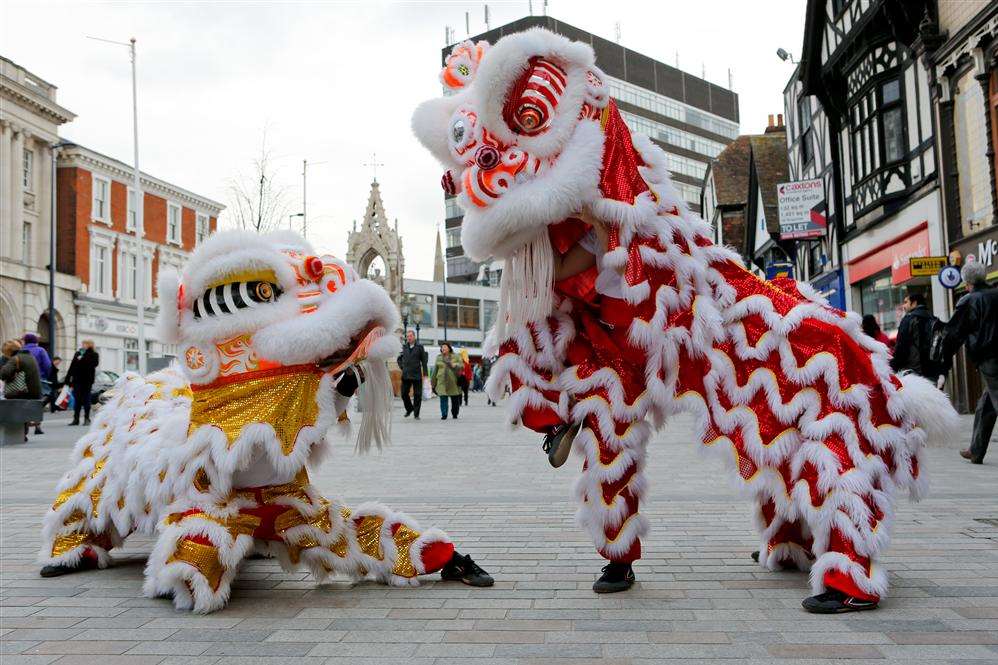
<point>526,288</point>
<point>375,398</point>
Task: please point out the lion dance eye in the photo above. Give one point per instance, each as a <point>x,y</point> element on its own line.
<point>264,292</point>
<point>534,98</point>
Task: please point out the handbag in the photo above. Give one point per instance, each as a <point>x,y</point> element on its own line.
<point>18,384</point>
<point>427,388</point>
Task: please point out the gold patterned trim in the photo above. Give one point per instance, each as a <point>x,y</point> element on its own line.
<point>404,537</point>
<point>369,536</point>
<point>239,524</point>
<point>203,557</point>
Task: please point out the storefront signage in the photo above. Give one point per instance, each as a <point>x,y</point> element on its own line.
<point>797,202</point>
<point>926,266</point>
<point>950,277</point>
<point>895,254</point>
<point>982,248</point>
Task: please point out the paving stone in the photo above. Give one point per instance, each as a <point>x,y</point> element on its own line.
<point>699,599</point>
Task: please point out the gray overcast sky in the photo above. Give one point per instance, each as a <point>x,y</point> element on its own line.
<point>336,81</point>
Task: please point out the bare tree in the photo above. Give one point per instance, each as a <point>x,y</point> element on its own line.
<point>258,200</point>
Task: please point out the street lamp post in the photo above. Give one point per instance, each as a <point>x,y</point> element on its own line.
<point>304,199</point>
<point>290,217</point>
<point>140,276</point>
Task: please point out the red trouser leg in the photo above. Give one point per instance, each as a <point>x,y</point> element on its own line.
<point>841,581</point>
<point>611,486</point>
<point>786,545</point>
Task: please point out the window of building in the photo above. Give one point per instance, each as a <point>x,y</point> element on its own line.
<point>671,135</point>
<point>100,269</point>
<point>173,223</point>
<point>132,353</point>
<point>670,108</point>
<point>100,209</point>
<point>971,145</point>
<point>494,277</point>
<point>28,171</point>
<point>451,208</point>
<point>892,124</point>
<point>459,313</point>
<point>129,276</point>
<point>884,300</point>
<point>490,308</point>
<point>420,309</point>
<point>26,243</point>
<point>453,237</point>
<point>202,229</point>
<point>805,131</point>
<point>131,219</point>
<point>877,126</point>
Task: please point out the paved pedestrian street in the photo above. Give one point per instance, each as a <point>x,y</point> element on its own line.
<point>700,598</point>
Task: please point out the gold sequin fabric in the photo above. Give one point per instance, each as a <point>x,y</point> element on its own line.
<point>202,557</point>
<point>369,536</point>
<point>404,537</point>
<point>286,401</point>
<point>69,541</point>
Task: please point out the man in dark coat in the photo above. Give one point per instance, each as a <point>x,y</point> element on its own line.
<point>80,376</point>
<point>412,362</point>
<point>914,339</point>
<point>975,324</point>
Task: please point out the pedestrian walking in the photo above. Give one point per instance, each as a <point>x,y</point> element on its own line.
<point>56,386</point>
<point>80,376</point>
<point>914,339</point>
<point>412,362</point>
<point>464,380</point>
<point>44,363</point>
<point>443,378</point>
<point>975,325</point>
<point>872,329</point>
<point>20,376</point>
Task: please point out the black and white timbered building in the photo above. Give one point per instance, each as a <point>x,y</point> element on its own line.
<point>859,117</point>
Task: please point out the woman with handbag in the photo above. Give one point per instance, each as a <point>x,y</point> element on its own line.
<point>20,375</point>
<point>443,378</point>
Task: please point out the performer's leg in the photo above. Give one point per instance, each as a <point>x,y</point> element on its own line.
<point>849,535</point>
<point>73,536</point>
<point>373,539</point>
<point>784,543</point>
<point>611,485</point>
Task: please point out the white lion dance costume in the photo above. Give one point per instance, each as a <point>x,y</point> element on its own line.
<point>212,453</point>
<point>820,432</point>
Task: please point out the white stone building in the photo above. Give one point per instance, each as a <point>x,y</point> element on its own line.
<point>30,119</point>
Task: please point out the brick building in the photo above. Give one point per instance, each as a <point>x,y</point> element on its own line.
<point>96,218</point>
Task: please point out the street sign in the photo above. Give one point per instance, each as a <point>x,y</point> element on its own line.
<point>950,277</point>
<point>926,266</point>
<point>798,218</point>
<point>779,269</point>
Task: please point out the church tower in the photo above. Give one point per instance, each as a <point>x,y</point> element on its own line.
<point>375,250</point>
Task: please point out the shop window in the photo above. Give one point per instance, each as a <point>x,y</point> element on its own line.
<point>883,299</point>
<point>459,313</point>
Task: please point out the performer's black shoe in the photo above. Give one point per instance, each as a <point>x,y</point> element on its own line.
<point>464,569</point>
<point>86,563</point>
<point>558,443</point>
<point>407,414</point>
<point>836,602</point>
<point>616,577</point>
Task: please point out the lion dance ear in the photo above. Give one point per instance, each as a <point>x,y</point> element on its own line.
<point>171,304</point>
<point>461,65</point>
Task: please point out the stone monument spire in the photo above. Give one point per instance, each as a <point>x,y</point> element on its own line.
<point>374,240</point>
<point>438,261</point>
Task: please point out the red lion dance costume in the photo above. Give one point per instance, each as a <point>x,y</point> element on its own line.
<point>819,430</point>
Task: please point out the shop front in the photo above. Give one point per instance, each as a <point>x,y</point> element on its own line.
<point>983,247</point>
<point>881,276</point>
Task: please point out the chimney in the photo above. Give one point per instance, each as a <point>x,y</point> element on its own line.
<point>770,120</point>
<point>779,120</point>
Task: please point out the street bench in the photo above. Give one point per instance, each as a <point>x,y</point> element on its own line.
<point>14,413</point>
